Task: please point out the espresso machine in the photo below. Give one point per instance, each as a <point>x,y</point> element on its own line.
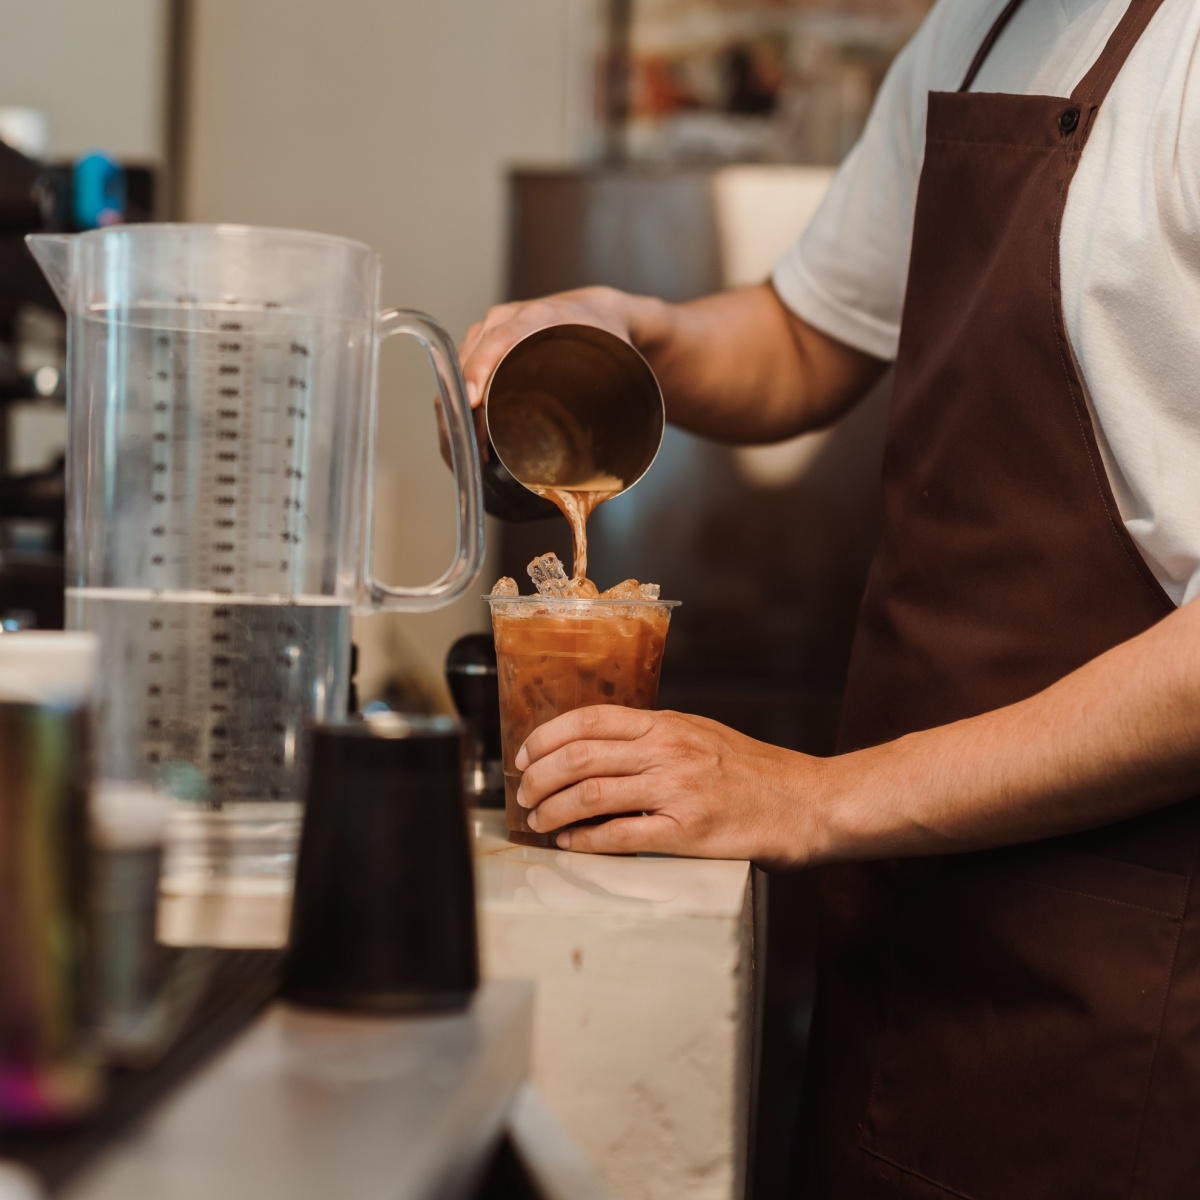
<point>41,197</point>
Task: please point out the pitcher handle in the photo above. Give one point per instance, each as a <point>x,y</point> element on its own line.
<point>464,462</point>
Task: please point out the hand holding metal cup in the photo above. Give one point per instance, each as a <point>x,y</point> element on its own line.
<point>566,406</point>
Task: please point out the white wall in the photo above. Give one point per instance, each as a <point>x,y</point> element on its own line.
<point>390,121</point>
<point>94,67</point>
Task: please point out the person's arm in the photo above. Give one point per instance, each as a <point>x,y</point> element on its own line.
<point>1118,737</point>
<point>738,366</point>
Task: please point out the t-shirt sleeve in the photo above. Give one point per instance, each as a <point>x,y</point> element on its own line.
<point>846,273</point>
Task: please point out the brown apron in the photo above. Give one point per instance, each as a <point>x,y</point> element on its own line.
<point>1022,1023</point>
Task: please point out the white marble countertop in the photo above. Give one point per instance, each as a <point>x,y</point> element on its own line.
<point>644,1014</point>
<point>508,878</point>
<point>526,878</point>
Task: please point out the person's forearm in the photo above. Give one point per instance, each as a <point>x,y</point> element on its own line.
<point>1118,737</point>
<point>738,366</point>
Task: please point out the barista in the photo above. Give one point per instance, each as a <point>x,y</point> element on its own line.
<point>1009,985</point>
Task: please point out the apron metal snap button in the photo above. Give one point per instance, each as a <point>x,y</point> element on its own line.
<point>1068,119</point>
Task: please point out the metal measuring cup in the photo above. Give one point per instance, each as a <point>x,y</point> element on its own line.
<point>567,403</point>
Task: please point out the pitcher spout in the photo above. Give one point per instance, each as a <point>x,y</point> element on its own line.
<point>53,254</point>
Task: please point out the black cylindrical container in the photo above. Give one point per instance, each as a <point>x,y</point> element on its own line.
<point>383,918</point>
<point>471,677</point>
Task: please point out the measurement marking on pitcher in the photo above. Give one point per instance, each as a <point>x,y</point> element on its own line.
<point>224,477</point>
<point>166,376</point>
<point>299,381</point>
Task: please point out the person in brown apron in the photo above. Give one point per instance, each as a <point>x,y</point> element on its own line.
<point>1021,1023</point>
<point>1025,1022</point>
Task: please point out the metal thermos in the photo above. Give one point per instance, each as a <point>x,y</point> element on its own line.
<point>49,1073</point>
<point>567,403</point>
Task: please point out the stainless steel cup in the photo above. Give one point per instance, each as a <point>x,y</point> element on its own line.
<point>566,403</point>
<point>49,1072</point>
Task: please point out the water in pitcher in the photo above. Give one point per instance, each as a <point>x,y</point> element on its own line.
<point>210,698</point>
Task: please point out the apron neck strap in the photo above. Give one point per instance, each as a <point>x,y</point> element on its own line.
<point>1093,87</point>
<point>985,47</point>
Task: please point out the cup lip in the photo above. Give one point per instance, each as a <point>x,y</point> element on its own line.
<point>579,601</point>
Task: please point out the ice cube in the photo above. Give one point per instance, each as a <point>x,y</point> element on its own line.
<point>585,589</point>
<point>550,576</point>
<point>649,591</point>
<point>627,589</point>
<point>504,586</point>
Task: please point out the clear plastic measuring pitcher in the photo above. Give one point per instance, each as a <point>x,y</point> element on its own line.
<point>222,401</point>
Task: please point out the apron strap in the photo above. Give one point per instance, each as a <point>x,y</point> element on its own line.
<point>1093,87</point>
<point>988,42</point>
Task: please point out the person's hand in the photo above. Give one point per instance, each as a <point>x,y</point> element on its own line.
<point>487,341</point>
<point>687,784</point>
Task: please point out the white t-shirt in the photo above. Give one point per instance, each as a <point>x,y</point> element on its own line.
<point>1130,242</point>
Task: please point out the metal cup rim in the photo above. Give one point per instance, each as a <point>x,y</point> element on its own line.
<point>592,332</point>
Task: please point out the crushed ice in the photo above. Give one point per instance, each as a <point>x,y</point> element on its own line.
<point>552,581</point>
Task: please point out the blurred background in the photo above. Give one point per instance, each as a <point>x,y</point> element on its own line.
<point>491,150</point>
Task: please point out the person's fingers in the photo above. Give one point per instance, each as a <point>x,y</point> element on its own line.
<point>653,834</point>
<point>595,722</point>
<point>477,369</point>
<point>469,339</point>
<point>576,761</point>
<point>492,345</point>
<point>595,796</point>
<point>503,327</point>
<point>487,343</point>
<point>496,315</point>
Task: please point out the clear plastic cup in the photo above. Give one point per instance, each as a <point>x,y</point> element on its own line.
<point>556,655</point>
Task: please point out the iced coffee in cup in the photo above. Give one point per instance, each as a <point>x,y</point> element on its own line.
<point>567,647</point>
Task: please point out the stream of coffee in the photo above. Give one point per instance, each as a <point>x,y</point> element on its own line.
<point>577,501</point>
